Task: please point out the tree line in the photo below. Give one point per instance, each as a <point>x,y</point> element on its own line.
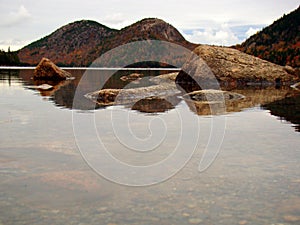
<point>9,58</point>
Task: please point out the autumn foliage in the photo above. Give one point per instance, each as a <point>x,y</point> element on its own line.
<point>278,43</point>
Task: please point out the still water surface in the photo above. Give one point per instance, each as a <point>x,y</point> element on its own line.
<point>44,179</point>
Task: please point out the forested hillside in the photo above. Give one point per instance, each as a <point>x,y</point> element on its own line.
<point>278,43</point>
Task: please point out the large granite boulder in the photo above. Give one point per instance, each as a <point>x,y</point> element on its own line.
<point>209,64</point>
<point>47,70</point>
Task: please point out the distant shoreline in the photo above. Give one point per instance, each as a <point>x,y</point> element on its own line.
<point>89,68</point>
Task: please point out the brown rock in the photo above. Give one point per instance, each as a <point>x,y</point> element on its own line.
<point>133,76</point>
<point>243,222</point>
<point>155,104</point>
<point>195,221</point>
<point>104,97</point>
<point>290,70</point>
<point>211,63</point>
<point>291,218</point>
<point>47,70</point>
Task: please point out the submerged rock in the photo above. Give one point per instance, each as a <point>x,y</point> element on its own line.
<point>47,70</point>
<point>291,218</point>
<point>156,104</point>
<point>126,96</point>
<point>211,64</point>
<point>210,96</point>
<point>211,102</point>
<point>133,76</point>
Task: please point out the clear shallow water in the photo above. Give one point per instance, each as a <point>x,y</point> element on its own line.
<point>44,179</point>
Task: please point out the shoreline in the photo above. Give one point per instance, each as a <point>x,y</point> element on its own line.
<point>90,68</point>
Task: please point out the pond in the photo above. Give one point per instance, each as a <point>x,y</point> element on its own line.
<point>238,166</point>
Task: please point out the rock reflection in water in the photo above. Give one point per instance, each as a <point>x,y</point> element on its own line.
<point>56,85</point>
<point>287,109</point>
<point>282,102</point>
<point>63,92</point>
<point>254,96</point>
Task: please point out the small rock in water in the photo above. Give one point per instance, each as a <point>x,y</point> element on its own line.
<point>55,211</point>
<point>191,206</point>
<point>102,209</point>
<point>291,218</point>
<point>185,214</point>
<point>195,220</point>
<point>243,222</point>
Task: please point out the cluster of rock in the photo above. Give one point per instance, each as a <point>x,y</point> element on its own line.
<point>207,67</point>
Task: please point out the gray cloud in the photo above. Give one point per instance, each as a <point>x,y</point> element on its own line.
<point>14,18</point>
<point>35,19</point>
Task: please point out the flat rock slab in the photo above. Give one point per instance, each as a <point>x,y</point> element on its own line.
<point>126,96</point>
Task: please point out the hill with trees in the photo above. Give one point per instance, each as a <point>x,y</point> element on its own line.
<point>278,43</point>
<point>81,42</point>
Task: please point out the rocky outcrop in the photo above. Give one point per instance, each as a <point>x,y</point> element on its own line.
<point>211,63</point>
<point>47,70</point>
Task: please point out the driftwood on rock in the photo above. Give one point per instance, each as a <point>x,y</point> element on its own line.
<point>47,70</point>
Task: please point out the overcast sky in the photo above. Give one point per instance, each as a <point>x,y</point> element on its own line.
<point>220,22</point>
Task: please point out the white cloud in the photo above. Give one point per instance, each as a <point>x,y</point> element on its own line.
<point>116,20</point>
<point>220,36</point>
<point>15,17</point>
<point>251,31</point>
<point>13,44</point>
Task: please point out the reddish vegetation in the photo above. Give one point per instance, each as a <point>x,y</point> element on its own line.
<point>81,42</point>
<point>278,43</point>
